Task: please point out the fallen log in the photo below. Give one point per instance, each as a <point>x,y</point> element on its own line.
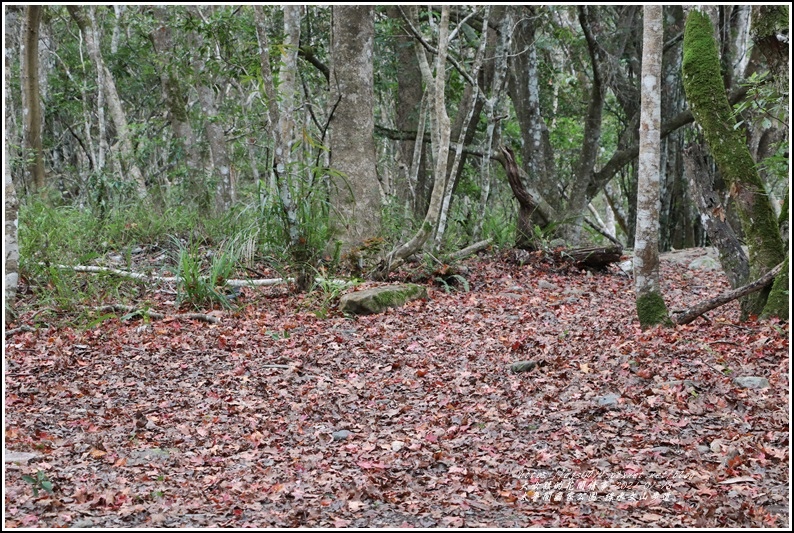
<point>687,316</point>
<point>598,257</point>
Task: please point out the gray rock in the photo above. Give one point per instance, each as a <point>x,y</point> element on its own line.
<point>523,366</point>
<point>376,300</point>
<point>608,400</point>
<point>342,434</point>
<point>19,457</point>
<point>706,263</point>
<point>752,382</point>
<point>627,266</point>
<point>546,286</point>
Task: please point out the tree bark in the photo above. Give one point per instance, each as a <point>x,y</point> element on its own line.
<point>281,107</point>
<point>651,309</point>
<point>770,35</point>
<point>706,94</point>
<point>713,214</point>
<point>356,202</point>
<point>31,97</point>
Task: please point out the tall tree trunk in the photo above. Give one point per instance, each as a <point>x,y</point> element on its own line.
<point>356,201</point>
<point>706,94</point>
<point>651,308</point>
<point>89,30</point>
<point>524,89</point>
<point>31,97</point>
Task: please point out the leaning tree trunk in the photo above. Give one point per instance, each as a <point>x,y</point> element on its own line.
<point>651,308</point>
<point>31,97</point>
<point>706,94</point>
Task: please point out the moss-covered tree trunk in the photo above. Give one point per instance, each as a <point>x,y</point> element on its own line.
<point>705,92</point>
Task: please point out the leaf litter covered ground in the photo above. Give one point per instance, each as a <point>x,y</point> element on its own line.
<point>411,418</point>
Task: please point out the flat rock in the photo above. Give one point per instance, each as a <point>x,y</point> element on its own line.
<point>19,457</point>
<point>752,382</point>
<point>378,299</point>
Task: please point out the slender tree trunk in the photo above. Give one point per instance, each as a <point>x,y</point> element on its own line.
<point>31,97</point>
<point>651,308</point>
<point>440,135</point>
<point>493,108</point>
<point>281,116</point>
<point>127,155</point>
<point>706,94</point>
<point>10,242</point>
<point>356,201</point>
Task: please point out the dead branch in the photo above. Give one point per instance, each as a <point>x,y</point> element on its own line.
<point>155,315</point>
<point>473,249</point>
<point>19,329</point>
<point>693,312</point>
<point>171,279</point>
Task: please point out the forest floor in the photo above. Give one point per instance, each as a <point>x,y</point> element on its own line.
<point>410,418</point>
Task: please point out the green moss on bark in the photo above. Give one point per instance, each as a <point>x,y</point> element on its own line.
<point>705,92</point>
<point>652,311</point>
<point>777,303</point>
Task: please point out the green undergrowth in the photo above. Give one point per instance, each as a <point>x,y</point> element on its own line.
<point>180,239</point>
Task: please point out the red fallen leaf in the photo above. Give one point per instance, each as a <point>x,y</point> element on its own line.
<point>431,437</point>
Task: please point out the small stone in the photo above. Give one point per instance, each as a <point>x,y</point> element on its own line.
<point>341,434</point>
<point>397,445</point>
<point>523,366</point>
